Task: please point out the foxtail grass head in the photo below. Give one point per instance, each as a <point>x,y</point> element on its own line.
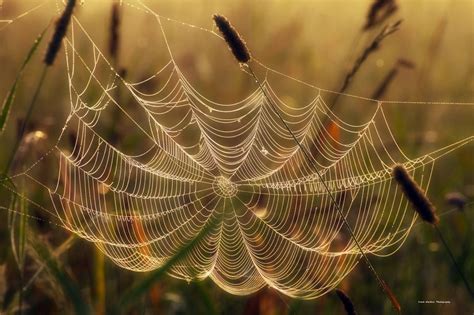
<point>59,33</point>
<point>415,195</point>
<point>236,44</point>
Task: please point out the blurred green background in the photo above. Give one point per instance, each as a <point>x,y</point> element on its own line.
<point>315,41</point>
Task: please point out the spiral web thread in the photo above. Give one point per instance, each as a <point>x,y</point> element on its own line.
<point>233,162</point>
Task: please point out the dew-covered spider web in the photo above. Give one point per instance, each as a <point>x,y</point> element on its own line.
<point>232,162</point>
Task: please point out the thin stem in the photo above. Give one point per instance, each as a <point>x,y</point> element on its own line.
<point>99,280</point>
<point>20,299</point>
<point>359,62</point>
<point>25,121</point>
<point>12,157</point>
<point>331,196</point>
<point>459,270</point>
<point>22,232</point>
<point>57,253</point>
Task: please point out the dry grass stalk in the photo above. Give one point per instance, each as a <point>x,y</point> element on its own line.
<point>346,301</point>
<point>379,11</point>
<point>392,298</point>
<point>236,44</point>
<point>383,87</point>
<point>426,210</point>
<point>59,33</point>
<point>241,53</point>
<point>373,46</point>
<point>432,54</point>
<point>405,63</point>
<point>417,197</point>
<point>114,39</point>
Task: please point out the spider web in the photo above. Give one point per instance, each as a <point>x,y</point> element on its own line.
<point>232,162</point>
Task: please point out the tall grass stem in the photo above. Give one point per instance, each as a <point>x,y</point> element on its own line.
<point>26,120</point>
<point>450,254</point>
<point>381,283</point>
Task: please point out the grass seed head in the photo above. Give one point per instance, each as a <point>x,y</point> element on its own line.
<point>456,199</point>
<point>379,11</point>
<point>114,38</point>
<point>59,32</point>
<point>415,195</point>
<point>236,44</point>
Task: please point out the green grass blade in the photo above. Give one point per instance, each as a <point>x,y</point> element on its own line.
<point>205,299</point>
<point>22,232</point>
<point>70,289</point>
<point>58,251</point>
<point>6,194</point>
<point>142,287</point>
<point>295,307</point>
<point>11,94</point>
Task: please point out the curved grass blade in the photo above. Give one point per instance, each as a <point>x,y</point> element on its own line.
<point>11,94</point>
<point>8,185</point>
<point>15,296</point>
<point>295,307</point>
<point>68,286</point>
<point>205,298</point>
<point>61,249</point>
<point>142,287</point>
<point>18,230</point>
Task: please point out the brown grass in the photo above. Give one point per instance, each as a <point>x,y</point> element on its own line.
<point>59,33</point>
<point>236,44</point>
<point>417,197</point>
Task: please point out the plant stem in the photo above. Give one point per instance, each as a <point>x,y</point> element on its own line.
<point>25,121</point>
<point>21,246</point>
<point>99,280</point>
<point>12,157</point>
<point>331,196</point>
<point>458,269</point>
<point>61,249</point>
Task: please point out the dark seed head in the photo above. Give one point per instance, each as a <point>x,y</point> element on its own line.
<point>234,41</point>
<point>379,11</point>
<point>59,32</point>
<point>415,195</point>
<point>456,199</point>
<point>346,301</point>
<point>114,39</point>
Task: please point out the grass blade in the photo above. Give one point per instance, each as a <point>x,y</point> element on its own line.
<point>68,286</point>
<point>142,287</point>
<point>203,296</point>
<point>99,281</point>
<point>5,194</point>
<point>11,94</point>
<point>58,251</point>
